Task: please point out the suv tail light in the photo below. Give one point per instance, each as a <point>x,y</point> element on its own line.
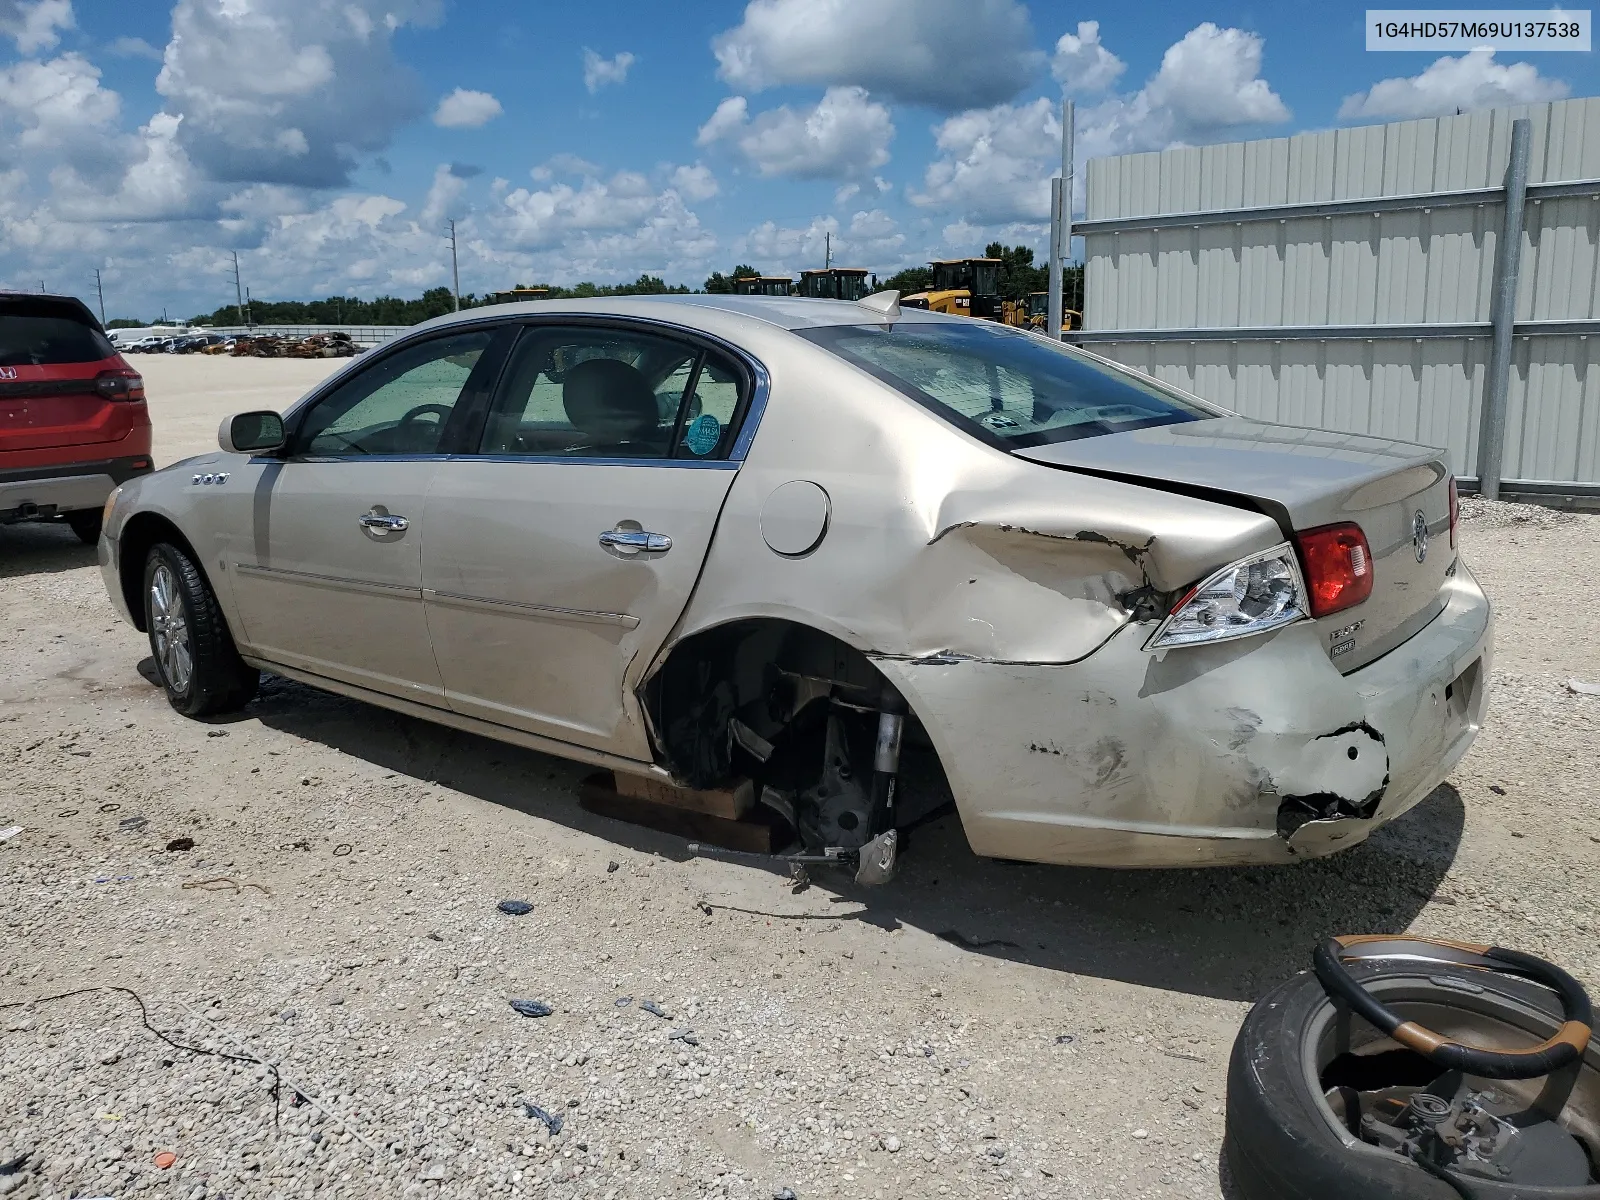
<point>1455,511</point>
<point>1338,567</point>
<point>124,383</point>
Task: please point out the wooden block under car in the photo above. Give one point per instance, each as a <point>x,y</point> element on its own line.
<point>598,795</point>
<point>730,803</point>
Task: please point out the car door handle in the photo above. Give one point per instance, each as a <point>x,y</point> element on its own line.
<point>384,522</point>
<point>631,541</point>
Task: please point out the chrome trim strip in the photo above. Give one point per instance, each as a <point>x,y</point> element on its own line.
<point>334,582</point>
<point>720,464</point>
<point>516,608</point>
<point>458,720</point>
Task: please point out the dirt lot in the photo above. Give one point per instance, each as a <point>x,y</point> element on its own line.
<point>977,1029</point>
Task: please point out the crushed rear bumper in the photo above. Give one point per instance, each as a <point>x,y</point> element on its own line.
<point>1254,751</point>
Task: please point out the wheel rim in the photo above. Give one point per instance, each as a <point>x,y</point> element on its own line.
<point>169,629</point>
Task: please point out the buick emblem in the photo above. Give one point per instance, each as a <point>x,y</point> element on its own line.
<point>1419,535</point>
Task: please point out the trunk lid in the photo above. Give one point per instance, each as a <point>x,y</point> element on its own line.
<point>1306,478</point>
<point>51,351</point>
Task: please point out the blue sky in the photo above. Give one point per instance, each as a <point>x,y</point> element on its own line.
<point>328,143</point>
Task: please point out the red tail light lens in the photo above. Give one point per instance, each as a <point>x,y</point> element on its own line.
<point>121,384</point>
<point>1338,565</point>
<point>1455,511</point>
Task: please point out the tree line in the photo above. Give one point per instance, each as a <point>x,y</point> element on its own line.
<point>1018,278</point>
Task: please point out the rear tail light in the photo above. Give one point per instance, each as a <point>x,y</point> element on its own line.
<point>1338,565</point>
<point>124,383</point>
<point>1455,511</point>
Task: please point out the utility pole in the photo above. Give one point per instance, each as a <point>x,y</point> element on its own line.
<point>249,318</point>
<point>1061,220</point>
<point>238,292</point>
<point>41,287</point>
<point>101,292</point>
<point>455,271</point>
<point>827,249</point>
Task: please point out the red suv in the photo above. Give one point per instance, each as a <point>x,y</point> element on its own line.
<point>73,422</point>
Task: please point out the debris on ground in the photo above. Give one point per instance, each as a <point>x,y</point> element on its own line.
<point>133,824</point>
<point>956,938</point>
<point>181,843</point>
<point>165,1159</point>
<point>342,850</point>
<point>624,1001</point>
<point>223,883</point>
<point>650,1006</point>
<point>532,1008</point>
<point>686,1036</point>
<point>9,832</point>
<point>1579,687</point>
<point>515,908</point>
<point>551,1122</point>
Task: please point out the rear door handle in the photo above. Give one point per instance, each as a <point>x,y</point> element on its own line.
<point>632,541</point>
<point>383,522</point>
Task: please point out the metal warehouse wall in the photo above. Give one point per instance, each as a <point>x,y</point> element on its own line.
<point>1188,240</point>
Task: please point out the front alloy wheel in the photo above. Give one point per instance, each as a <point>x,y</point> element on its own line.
<point>195,657</point>
<point>169,631</point>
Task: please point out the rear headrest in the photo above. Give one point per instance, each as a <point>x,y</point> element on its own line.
<point>609,400</point>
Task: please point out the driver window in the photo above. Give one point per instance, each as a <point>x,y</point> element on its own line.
<point>399,405</point>
<point>590,392</point>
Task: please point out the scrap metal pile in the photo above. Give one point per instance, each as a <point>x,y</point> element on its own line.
<point>317,345</point>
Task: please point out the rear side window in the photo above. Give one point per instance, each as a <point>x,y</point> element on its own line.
<point>1010,388</point>
<point>602,392</point>
<point>44,334</point>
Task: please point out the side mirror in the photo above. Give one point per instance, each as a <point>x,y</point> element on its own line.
<point>251,433</point>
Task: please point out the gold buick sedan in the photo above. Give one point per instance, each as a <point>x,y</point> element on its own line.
<point>717,538</point>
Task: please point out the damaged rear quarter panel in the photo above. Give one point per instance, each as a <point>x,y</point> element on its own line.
<point>938,544</point>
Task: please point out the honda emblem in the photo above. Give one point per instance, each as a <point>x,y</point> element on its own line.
<point>8,372</point>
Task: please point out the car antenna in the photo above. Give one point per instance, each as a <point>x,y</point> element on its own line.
<point>886,304</point>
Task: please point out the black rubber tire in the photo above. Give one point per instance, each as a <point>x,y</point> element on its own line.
<point>220,681</point>
<point>85,523</point>
<point>1277,1144</point>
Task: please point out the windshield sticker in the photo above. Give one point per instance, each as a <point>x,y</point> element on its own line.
<point>703,434</point>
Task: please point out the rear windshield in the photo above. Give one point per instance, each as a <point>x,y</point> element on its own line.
<point>41,334</point>
<point>1010,388</point>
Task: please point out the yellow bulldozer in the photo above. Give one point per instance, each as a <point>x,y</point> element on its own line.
<point>1033,312</point>
<point>967,287</point>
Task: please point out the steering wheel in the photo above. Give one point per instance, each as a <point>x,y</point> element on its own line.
<point>423,410</point>
<point>1566,1046</point>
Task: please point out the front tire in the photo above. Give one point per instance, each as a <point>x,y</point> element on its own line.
<point>198,663</point>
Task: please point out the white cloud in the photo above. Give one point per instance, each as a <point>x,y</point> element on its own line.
<point>994,164</point>
<point>134,47</point>
<point>563,164</point>
<point>240,74</point>
<point>465,109</point>
<point>160,184</point>
<point>847,193</point>
<point>1450,85</point>
<point>694,182</point>
<point>446,189</point>
<point>33,26</point>
<point>59,104</point>
<point>871,240</point>
<point>946,54</point>
<point>1082,64</point>
<point>846,133</point>
<point>598,72</point>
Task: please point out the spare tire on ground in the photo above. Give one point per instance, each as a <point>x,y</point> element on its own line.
<point>1322,1105</point>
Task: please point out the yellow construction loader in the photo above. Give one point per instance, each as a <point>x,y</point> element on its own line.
<point>968,287</point>
<point>763,285</point>
<point>1033,312</point>
<point>834,283</point>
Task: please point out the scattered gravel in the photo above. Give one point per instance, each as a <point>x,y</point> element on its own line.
<point>842,1047</point>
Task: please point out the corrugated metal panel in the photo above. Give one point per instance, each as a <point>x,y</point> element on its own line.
<point>1402,267</point>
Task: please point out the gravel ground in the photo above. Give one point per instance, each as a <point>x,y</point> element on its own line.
<point>977,1029</point>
